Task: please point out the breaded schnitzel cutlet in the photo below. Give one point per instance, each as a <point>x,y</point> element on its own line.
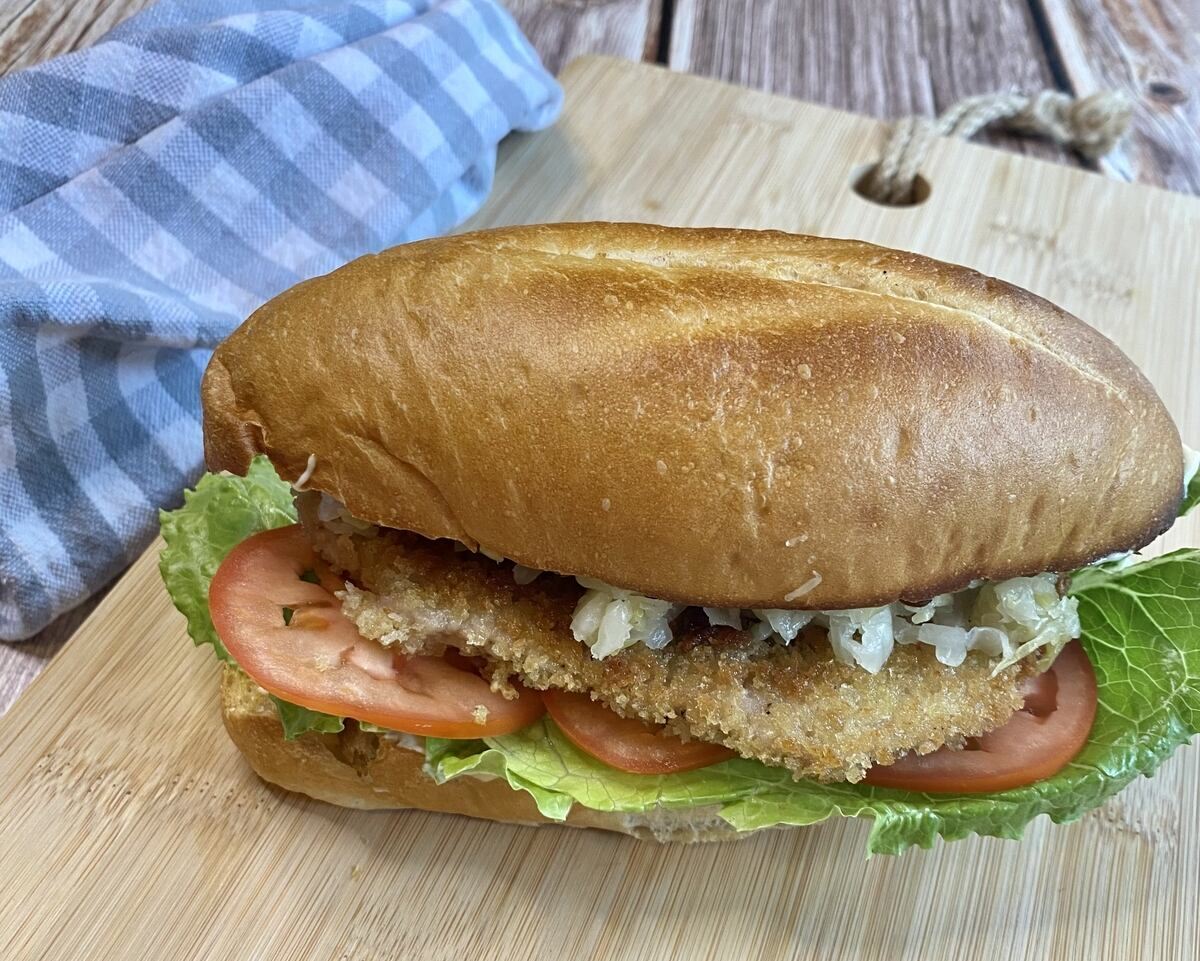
<point>793,705</point>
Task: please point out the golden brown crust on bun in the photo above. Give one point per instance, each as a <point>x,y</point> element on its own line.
<point>708,416</point>
<point>362,770</point>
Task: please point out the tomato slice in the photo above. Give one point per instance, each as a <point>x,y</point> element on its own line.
<point>627,743</point>
<point>272,605</point>
<point>1036,742</point>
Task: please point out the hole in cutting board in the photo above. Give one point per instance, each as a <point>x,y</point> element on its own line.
<point>860,175</point>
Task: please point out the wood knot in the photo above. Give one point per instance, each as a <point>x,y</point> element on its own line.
<point>1165,92</point>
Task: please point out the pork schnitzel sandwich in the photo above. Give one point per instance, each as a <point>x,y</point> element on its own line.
<point>685,533</point>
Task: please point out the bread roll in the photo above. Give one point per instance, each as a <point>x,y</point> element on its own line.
<point>360,770</point>
<point>717,417</point>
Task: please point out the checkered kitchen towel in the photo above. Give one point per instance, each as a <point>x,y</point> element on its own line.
<point>157,187</point>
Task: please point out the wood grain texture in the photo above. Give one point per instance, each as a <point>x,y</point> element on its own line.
<point>1151,50</point>
<point>35,30</point>
<point>20,663</point>
<point>561,30</point>
<point>888,60</point>
<point>135,829</point>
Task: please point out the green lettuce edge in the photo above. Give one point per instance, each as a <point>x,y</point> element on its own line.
<point>1191,495</point>
<point>219,514</point>
<point>1141,628</point>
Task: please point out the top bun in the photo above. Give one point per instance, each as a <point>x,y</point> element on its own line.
<point>715,417</point>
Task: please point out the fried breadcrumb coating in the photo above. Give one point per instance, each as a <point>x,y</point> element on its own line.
<point>795,705</point>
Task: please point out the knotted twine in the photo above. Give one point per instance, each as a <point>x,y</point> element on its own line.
<point>1091,125</point>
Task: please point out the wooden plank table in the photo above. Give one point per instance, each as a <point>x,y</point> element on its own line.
<point>886,60</point>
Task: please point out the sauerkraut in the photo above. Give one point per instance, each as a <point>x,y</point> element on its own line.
<point>333,514</point>
<point>1007,620</point>
<point>608,619</point>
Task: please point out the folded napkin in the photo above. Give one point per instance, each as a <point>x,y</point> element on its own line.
<point>157,187</point>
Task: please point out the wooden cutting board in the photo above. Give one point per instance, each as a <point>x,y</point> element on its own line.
<point>132,829</point>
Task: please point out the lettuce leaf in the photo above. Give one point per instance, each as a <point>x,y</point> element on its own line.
<point>297,720</point>
<point>1141,628</point>
<point>446,759</point>
<point>218,515</point>
<point>1191,495</point>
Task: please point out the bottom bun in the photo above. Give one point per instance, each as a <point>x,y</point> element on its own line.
<point>361,770</point>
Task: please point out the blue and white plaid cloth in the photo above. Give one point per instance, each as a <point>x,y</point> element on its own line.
<point>157,187</point>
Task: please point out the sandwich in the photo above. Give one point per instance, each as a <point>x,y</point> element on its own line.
<point>689,533</point>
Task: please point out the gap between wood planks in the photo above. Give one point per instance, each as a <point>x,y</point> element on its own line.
<point>663,46</point>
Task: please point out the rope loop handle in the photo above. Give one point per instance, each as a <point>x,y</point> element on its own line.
<point>1092,125</point>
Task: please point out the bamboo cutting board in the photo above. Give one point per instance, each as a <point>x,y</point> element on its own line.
<point>132,829</point>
